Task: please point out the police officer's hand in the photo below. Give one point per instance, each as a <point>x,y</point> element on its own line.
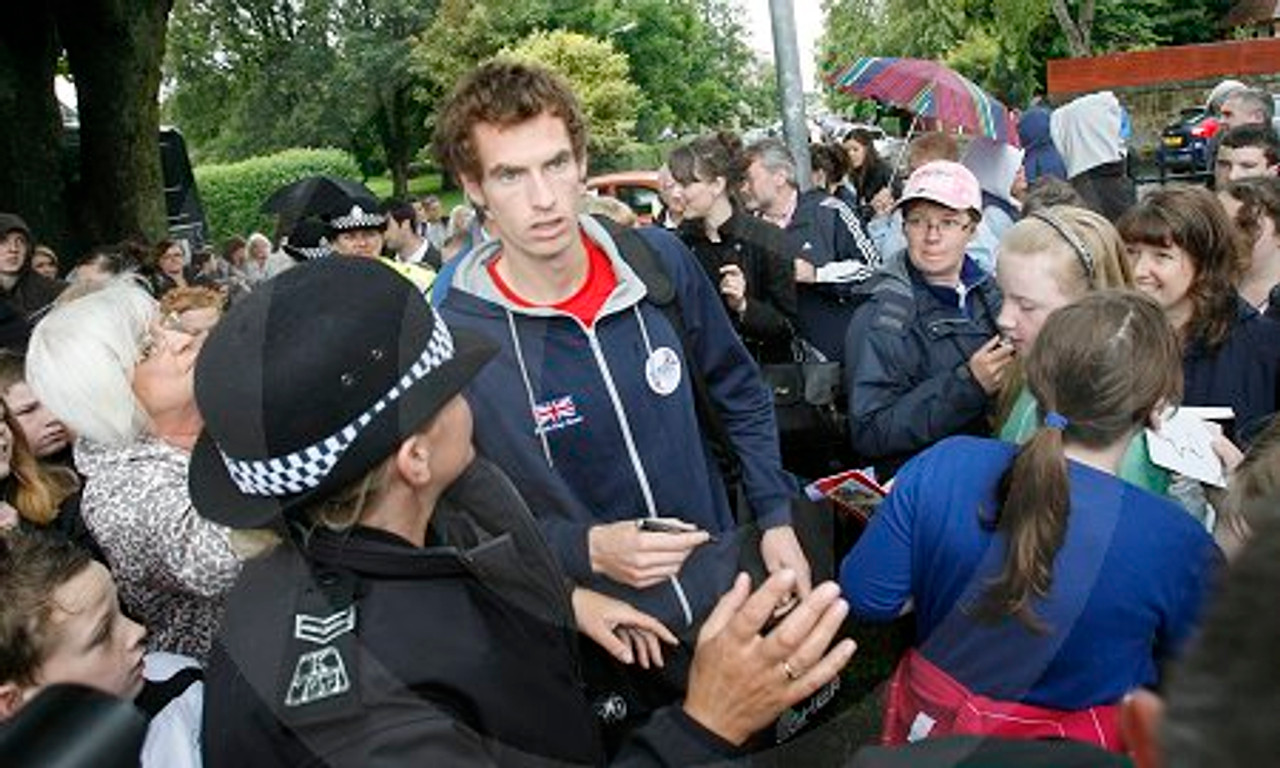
<point>741,681</point>
<point>990,364</point>
<point>628,634</point>
<point>637,558</point>
<point>733,284</point>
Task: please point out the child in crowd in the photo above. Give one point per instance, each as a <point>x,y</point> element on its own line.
<point>60,622</point>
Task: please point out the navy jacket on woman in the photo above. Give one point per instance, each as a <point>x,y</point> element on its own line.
<point>1243,373</point>
<point>759,249</point>
<point>907,362</point>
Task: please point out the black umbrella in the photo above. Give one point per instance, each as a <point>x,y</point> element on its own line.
<point>323,196</point>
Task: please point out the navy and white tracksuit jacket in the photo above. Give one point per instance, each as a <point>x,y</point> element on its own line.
<point>570,414</point>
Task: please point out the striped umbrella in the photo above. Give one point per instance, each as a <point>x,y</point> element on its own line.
<point>928,90</point>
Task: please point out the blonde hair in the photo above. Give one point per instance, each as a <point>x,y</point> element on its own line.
<point>1059,231</point>
<point>98,337</point>
<point>341,511</point>
<point>610,207</point>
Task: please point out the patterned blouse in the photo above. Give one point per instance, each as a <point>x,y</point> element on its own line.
<point>173,568</point>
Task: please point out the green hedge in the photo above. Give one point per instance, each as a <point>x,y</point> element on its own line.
<point>233,193</point>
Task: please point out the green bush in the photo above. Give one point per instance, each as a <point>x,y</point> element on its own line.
<point>233,193</point>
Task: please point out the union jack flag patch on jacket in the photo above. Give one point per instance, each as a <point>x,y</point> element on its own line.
<point>555,414</point>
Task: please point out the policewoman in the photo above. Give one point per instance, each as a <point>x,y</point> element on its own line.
<point>403,609</point>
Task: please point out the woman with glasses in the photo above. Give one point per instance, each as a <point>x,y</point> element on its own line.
<point>923,358</point>
<point>117,370</point>
<point>742,254</point>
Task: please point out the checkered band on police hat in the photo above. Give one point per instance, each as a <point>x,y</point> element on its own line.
<point>307,467</point>
<point>318,252</point>
<point>358,218</point>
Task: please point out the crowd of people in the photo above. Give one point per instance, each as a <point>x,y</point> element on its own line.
<point>520,485</point>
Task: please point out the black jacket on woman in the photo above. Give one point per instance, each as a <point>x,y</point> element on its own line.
<point>867,185</point>
<point>1243,372</point>
<point>759,248</point>
<point>360,649</point>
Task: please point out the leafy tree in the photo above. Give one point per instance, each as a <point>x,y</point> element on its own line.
<point>255,76</point>
<point>1004,45</point>
<point>249,77</point>
<point>598,75</point>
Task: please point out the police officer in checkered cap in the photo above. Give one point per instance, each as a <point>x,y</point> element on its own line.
<point>401,606</point>
<point>356,226</point>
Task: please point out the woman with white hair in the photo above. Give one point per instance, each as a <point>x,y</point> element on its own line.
<point>131,402</point>
<point>261,262</point>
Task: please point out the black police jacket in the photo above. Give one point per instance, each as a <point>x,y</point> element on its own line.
<point>360,649</point>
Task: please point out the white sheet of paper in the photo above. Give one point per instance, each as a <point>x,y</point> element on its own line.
<point>1184,445</point>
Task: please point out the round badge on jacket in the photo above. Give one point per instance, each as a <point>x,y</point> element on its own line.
<point>662,369</point>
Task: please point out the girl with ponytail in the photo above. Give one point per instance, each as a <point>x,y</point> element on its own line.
<point>1044,587</point>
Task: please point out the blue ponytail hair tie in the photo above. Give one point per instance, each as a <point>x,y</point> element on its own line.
<point>1055,420</point>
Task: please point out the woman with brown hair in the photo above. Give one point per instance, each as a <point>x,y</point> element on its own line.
<point>1045,588</point>
<point>1186,255</point>
<point>867,174</point>
<point>743,254</point>
<point>33,494</point>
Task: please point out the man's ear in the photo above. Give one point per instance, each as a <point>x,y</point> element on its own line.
<point>475,195</point>
<point>1141,713</point>
<point>10,700</point>
<point>413,460</point>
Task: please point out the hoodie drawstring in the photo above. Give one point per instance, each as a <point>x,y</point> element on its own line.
<point>528,389</point>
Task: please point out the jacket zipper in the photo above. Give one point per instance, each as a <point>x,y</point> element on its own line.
<point>634,454</point>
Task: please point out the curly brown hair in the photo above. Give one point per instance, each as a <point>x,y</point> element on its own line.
<point>503,93</point>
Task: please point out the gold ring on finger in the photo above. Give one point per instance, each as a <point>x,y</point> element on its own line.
<point>790,671</point>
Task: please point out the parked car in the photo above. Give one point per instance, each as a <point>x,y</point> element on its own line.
<point>1186,144</point>
<point>638,189</point>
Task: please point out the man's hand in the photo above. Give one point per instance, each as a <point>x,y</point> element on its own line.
<point>628,634</point>
<point>741,681</point>
<point>640,559</point>
<point>990,364</point>
<point>733,284</point>
<point>780,550</point>
<point>806,272</point>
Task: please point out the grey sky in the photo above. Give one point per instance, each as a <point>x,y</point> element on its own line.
<point>808,27</point>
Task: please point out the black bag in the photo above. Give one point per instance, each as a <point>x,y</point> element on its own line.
<point>806,395</point>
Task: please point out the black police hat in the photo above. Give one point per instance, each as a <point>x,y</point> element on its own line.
<point>312,380</point>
